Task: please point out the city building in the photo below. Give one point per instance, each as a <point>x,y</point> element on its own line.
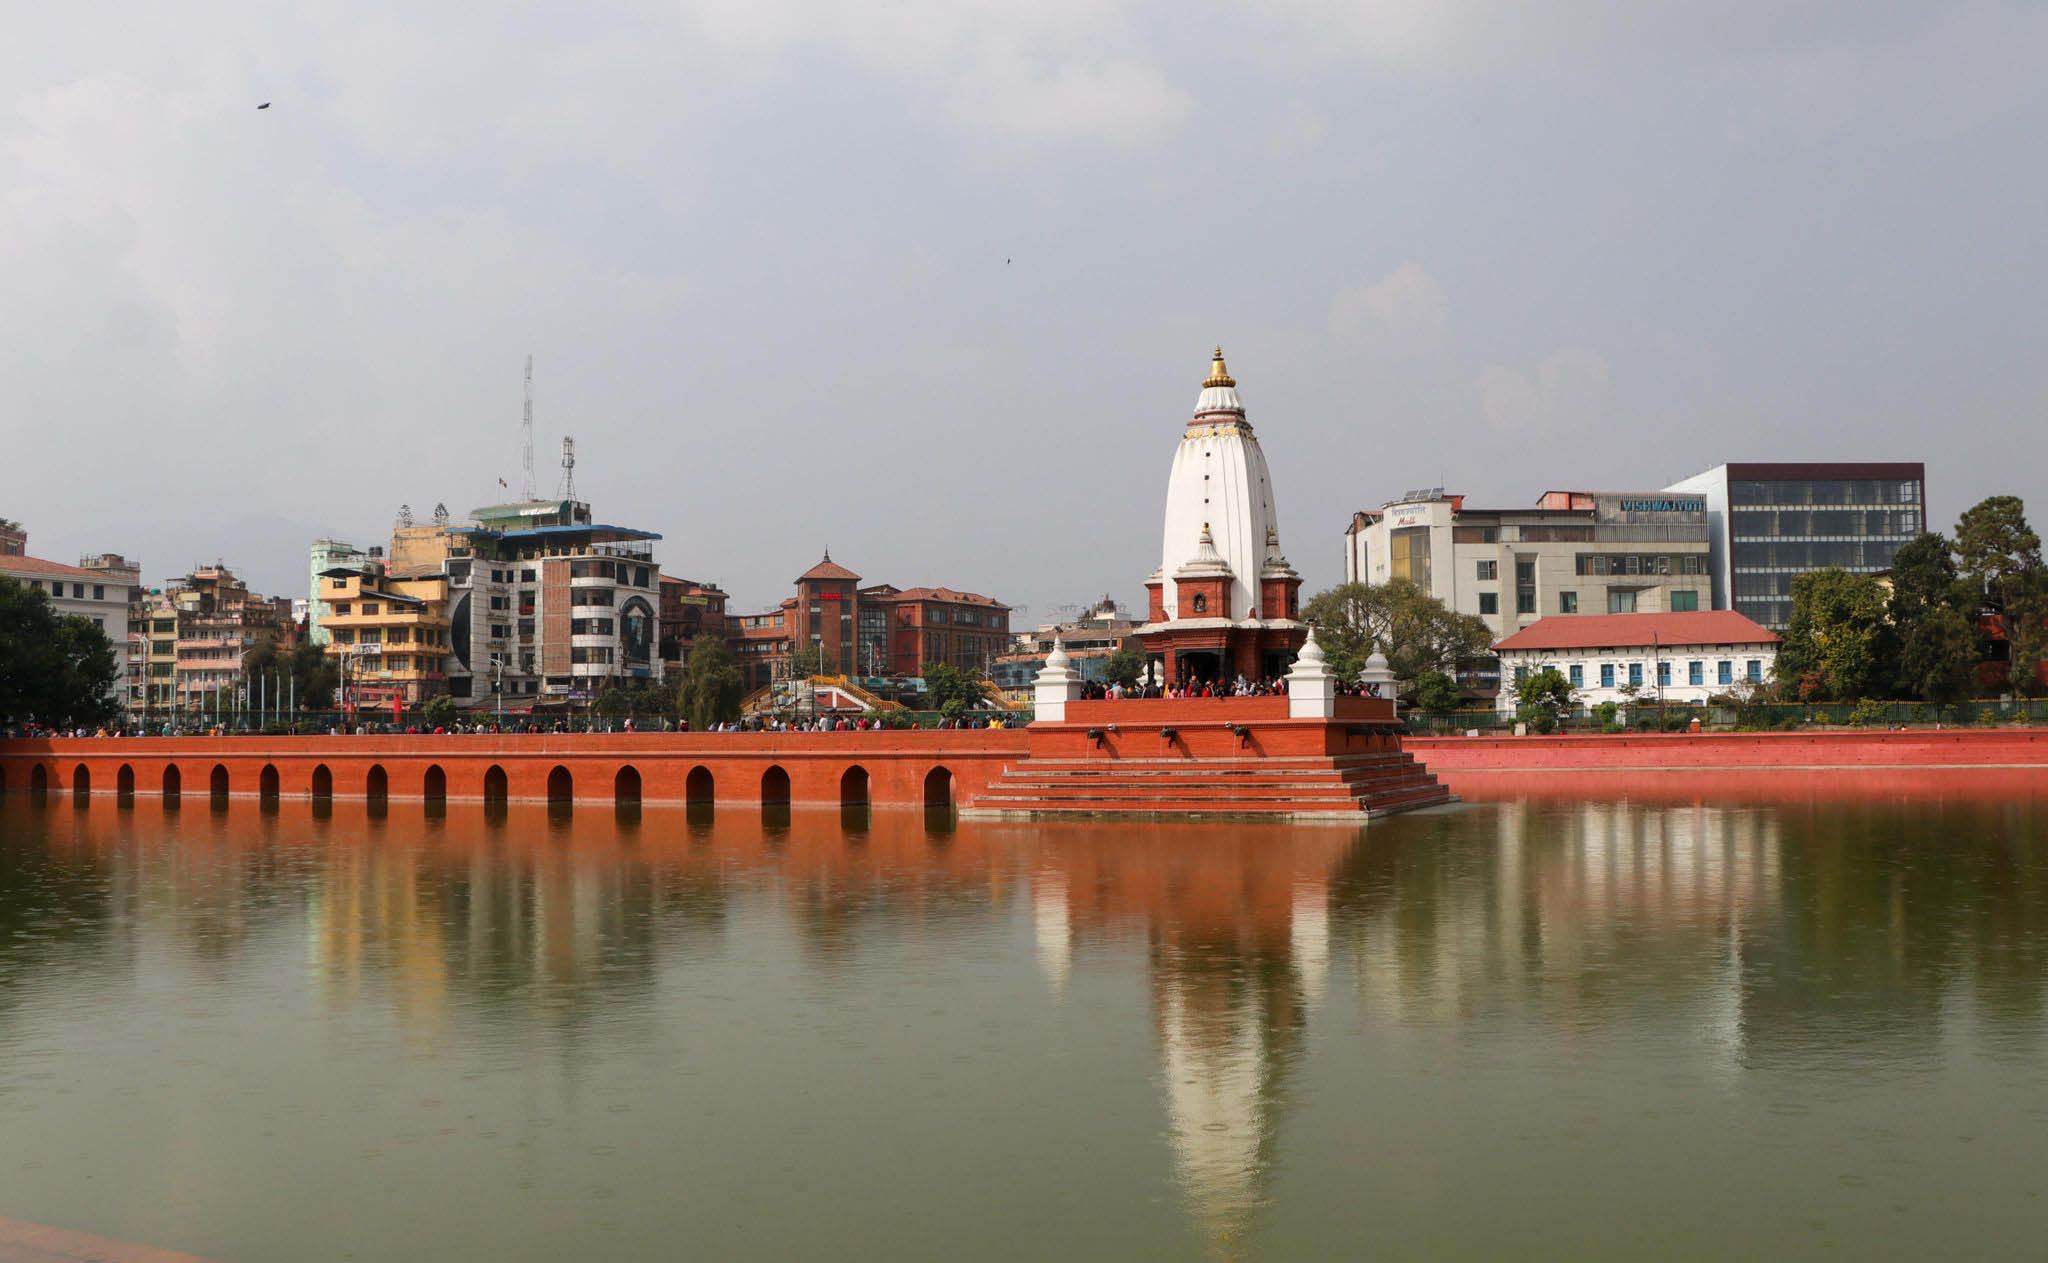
<point>1770,523</point>
<point>1683,657</point>
<point>388,636</point>
<point>133,663</point>
<point>1224,601</point>
<point>873,631</point>
<point>689,608</point>
<point>326,555</point>
<point>1573,552</point>
<point>1090,636</point>
<point>98,589</point>
<point>216,620</point>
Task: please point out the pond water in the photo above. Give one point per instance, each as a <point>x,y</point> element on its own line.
<point>1574,1019</point>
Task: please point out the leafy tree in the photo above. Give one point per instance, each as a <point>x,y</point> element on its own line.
<point>1543,698</point>
<point>1839,645</point>
<point>1125,666</point>
<point>612,702</point>
<point>1931,609</point>
<point>712,686</point>
<point>949,690</point>
<point>440,710</point>
<point>806,662</point>
<point>306,672</point>
<point>1999,557</point>
<point>1416,631</point>
<point>55,669</point>
<point>1435,691</point>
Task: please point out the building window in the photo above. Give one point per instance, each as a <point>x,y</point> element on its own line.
<point>1525,601</point>
<point>1489,602</point>
<point>1201,603</point>
<point>1567,602</point>
<point>1621,601</point>
<point>1685,601</point>
<point>1755,673</point>
<point>99,592</point>
<point>1727,672</point>
<point>1489,570</point>
<point>1409,556</point>
<point>1695,672</point>
<point>1578,676</point>
<point>1635,674</point>
<point>1521,673</point>
<point>1607,675</point>
<point>1663,675</point>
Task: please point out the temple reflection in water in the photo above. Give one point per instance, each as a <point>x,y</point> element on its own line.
<point>1729,929</point>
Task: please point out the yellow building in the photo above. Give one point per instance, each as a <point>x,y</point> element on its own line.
<point>389,635</point>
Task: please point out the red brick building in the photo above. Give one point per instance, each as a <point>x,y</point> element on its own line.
<point>878,630</point>
<point>689,609</point>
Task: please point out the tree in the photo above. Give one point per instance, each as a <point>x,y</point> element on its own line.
<point>55,669</point>
<point>949,690</point>
<point>1435,691</point>
<point>1543,698</point>
<point>806,662</point>
<point>1999,557</point>
<point>612,702</point>
<point>1416,631</point>
<point>440,710</point>
<point>712,686</point>
<point>1931,610</point>
<point>1840,644</point>
<point>1125,666</point>
<point>305,673</point>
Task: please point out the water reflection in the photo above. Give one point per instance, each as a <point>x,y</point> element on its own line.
<point>1737,938</point>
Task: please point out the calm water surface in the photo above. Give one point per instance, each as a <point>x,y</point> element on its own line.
<point>1653,1018</point>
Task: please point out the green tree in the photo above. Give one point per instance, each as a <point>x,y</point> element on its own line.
<point>1999,556</point>
<point>1931,609</point>
<point>712,687</point>
<point>304,673</point>
<point>949,690</point>
<point>1543,699</point>
<point>1839,645</point>
<point>1125,666</point>
<point>1416,631</point>
<point>806,662</point>
<point>55,669</point>
<point>440,710</point>
<point>612,702</point>
<point>1435,692</point>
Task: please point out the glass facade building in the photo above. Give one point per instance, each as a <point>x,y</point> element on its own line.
<point>1773,522</point>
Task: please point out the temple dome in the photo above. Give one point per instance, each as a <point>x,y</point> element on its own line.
<point>1219,489</point>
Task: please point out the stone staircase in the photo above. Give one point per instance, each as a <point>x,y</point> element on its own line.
<point>1340,787</point>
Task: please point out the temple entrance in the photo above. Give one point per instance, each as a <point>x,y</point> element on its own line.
<point>1199,666</point>
<point>1274,665</point>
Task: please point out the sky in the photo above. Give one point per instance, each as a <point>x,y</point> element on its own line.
<point>934,283</point>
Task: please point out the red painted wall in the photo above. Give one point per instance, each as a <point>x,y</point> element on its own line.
<point>1917,748</point>
<point>897,763</point>
<point>1204,728</point>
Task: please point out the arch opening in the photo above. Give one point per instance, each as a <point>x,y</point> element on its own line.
<point>267,784</point>
<point>124,784</point>
<point>217,785</point>
<point>173,784</point>
<point>38,782</point>
<point>81,783</point>
<point>626,787</point>
<point>377,785</point>
<point>853,787</point>
<point>561,787</point>
<point>938,788</point>
<point>496,787</point>
<point>434,786</point>
<point>775,787</point>
<point>323,782</point>
<point>698,787</point>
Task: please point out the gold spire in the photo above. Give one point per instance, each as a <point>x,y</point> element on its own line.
<point>1218,374</point>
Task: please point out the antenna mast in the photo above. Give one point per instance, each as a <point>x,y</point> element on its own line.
<point>567,491</point>
<point>526,486</point>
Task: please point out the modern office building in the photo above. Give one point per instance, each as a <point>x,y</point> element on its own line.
<point>1677,658</point>
<point>1573,552</point>
<point>1770,523</point>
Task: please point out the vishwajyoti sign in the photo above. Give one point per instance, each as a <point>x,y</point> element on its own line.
<point>1663,506</point>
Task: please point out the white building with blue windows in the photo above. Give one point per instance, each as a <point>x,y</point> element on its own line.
<point>1684,657</point>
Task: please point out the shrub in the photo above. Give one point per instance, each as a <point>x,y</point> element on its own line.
<point>1871,713</point>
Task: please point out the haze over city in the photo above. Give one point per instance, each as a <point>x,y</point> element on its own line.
<point>936,286</point>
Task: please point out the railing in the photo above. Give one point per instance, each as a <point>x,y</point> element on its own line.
<point>1648,716</point>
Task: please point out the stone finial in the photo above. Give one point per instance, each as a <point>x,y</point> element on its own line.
<point>1378,678</point>
<point>1056,684</point>
<point>1311,689</point>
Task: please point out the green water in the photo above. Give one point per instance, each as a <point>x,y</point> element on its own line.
<point>1555,1029</point>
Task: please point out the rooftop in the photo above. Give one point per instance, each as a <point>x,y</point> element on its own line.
<point>827,569</point>
<point>1636,631</point>
<point>17,563</point>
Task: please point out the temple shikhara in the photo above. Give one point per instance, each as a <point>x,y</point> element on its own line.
<point>1224,602</point>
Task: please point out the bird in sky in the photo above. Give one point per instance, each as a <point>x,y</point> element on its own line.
<point>264,106</point>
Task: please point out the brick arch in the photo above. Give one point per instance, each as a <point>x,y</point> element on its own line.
<point>626,787</point>
<point>218,786</point>
<point>775,786</point>
<point>124,783</point>
<point>38,780</point>
<point>377,783</point>
<point>268,783</point>
<point>434,784</point>
<point>938,787</point>
<point>854,787</point>
<point>173,784</point>
<point>323,781</point>
<point>81,783</point>
<point>561,787</point>
<point>700,787</point>
<point>497,786</point>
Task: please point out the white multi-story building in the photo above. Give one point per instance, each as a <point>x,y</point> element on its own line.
<point>99,594</point>
<point>1679,658</point>
<point>1574,552</point>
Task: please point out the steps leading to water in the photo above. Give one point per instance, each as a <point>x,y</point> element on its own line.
<point>1343,787</point>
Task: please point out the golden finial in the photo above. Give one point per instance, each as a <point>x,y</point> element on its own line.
<point>1218,374</point>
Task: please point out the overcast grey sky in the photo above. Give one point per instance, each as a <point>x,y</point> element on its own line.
<point>758,248</point>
